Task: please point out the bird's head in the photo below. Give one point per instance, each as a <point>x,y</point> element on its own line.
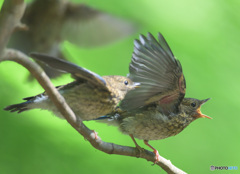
<point>120,85</point>
<point>192,107</point>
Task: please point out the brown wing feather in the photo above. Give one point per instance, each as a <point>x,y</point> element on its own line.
<point>77,72</point>
<point>160,74</point>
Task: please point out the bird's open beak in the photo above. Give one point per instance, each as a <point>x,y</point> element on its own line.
<point>199,113</point>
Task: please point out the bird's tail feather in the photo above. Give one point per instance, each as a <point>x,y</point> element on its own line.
<point>18,107</point>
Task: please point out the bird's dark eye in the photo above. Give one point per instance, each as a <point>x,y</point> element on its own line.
<point>126,82</point>
<point>193,104</point>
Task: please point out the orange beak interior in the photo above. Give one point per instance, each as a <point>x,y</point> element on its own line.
<point>199,113</point>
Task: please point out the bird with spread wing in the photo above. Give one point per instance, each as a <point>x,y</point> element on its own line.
<point>157,109</point>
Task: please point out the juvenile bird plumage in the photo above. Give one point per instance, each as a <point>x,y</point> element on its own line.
<point>89,96</point>
<point>157,109</point>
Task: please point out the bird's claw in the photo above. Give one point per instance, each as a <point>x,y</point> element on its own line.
<point>139,148</point>
<point>95,134</point>
<point>157,156</point>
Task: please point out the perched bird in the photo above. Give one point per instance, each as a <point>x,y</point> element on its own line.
<point>157,109</point>
<point>50,22</point>
<point>89,96</point>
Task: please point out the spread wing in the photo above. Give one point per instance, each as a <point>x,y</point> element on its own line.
<point>159,73</point>
<point>76,71</point>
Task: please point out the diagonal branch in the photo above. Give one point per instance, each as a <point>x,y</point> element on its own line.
<point>58,100</point>
<point>10,16</point>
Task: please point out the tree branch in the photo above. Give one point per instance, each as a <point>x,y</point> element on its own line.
<point>9,19</point>
<point>58,100</point>
<point>11,13</point>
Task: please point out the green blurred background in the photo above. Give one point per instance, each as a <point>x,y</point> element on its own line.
<point>204,35</point>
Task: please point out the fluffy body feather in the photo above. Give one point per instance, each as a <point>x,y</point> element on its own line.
<point>157,109</point>
<point>89,96</point>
